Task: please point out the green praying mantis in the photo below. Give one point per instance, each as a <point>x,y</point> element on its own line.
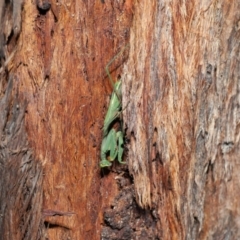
<point>112,143</point>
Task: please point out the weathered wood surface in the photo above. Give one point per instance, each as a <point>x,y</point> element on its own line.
<point>59,70</point>
<point>182,83</point>
<point>20,173</point>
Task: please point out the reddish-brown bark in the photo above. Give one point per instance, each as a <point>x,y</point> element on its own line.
<point>62,76</point>
<point>59,70</point>
<point>181,88</point>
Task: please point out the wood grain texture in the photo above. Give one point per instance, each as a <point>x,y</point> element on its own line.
<point>181,88</point>
<point>61,71</point>
<point>20,173</point>
<point>182,84</point>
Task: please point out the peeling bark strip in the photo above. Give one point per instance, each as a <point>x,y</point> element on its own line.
<point>183,84</point>
<point>20,174</point>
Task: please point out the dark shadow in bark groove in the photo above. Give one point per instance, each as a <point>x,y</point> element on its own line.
<point>124,219</point>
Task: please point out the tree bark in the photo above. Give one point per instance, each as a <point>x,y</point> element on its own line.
<point>181,81</point>
<point>182,84</point>
<point>58,68</point>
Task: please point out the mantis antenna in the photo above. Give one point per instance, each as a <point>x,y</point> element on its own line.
<point>108,73</point>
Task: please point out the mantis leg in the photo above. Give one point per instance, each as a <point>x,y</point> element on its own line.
<point>104,149</point>
<point>109,145</point>
<point>113,109</point>
<point>108,73</point>
<point>112,143</point>
<point>120,146</point>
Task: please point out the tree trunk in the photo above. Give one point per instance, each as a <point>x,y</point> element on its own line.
<point>181,80</point>
<point>182,83</point>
